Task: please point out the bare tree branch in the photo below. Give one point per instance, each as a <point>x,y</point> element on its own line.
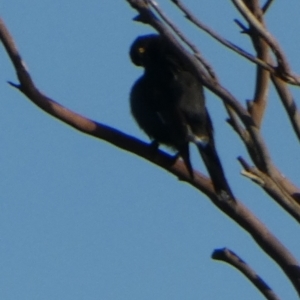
<point>190,16</point>
<point>267,6</point>
<point>236,125</point>
<point>283,69</point>
<point>288,103</point>
<point>258,105</point>
<point>283,191</point>
<point>232,259</point>
<point>236,210</point>
<point>273,188</point>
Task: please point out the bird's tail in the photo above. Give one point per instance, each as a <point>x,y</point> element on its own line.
<point>214,167</point>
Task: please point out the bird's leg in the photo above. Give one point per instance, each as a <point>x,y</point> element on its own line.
<point>184,152</point>
<point>154,145</point>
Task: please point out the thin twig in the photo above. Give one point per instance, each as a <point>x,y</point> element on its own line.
<point>228,256</point>
<point>267,6</point>
<point>279,189</point>
<point>287,189</point>
<point>289,104</point>
<point>253,177</point>
<point>284,187</point>
<point>235,123</point>
<point>283,69</point>
<point>190,16</point>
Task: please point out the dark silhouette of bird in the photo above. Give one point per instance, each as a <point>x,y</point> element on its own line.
<point>168,104</point>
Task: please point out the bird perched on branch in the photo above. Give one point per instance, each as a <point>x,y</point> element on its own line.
<point>168,103</point>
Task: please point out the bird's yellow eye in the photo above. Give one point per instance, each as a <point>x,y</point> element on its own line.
<point>141,50</point>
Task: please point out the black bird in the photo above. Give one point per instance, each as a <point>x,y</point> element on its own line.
<point>168,103</point>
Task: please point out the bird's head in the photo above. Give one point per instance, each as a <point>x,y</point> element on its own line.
<point>146,49</point>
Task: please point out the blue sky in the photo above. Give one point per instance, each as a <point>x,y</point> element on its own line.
<point>80,219</point>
